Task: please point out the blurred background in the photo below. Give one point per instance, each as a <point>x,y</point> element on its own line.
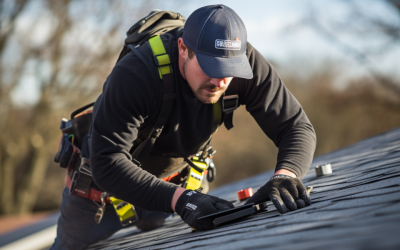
<point>339,58</point>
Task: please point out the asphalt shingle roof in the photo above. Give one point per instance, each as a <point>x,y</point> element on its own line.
<point>356,207</point>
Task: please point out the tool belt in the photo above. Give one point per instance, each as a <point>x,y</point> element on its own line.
<point>80,182</point>
<point>73,155</point>
<point>92,194</point>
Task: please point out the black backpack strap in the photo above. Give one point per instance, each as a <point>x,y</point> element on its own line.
<point>144,149</point>
<point>229,104</point>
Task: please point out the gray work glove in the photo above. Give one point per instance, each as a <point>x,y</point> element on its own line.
<point>284,191</point>
<point>192,205</point>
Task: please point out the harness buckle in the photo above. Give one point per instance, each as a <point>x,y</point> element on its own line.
<point>230,103</point>
<point>101,208</point>
<point>162,60</point>
<point>125,211</point>
<point>84,168</point>
<point>156,132</point>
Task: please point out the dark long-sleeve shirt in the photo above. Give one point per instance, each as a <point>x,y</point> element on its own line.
<point>131,100</point>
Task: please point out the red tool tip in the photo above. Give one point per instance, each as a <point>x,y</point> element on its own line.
<point>244,194</point>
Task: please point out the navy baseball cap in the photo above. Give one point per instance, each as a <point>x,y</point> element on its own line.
<point>218,37</point>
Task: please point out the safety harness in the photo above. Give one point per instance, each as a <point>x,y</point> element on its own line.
<point>163,63</point>
<point>79,178</point>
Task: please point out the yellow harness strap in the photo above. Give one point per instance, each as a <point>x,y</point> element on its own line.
<point>162,59</point>
<point>163,63</point>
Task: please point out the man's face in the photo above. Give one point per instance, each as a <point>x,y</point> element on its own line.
<point>205,88</point>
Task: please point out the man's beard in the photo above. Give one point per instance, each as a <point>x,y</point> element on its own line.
<point>208,86</point>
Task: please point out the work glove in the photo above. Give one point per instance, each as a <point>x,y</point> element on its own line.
<point>192,205</point>
<point>65,152</point>
<point>287,193</point>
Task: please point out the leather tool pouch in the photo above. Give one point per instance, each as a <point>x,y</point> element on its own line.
<point>73,147</point>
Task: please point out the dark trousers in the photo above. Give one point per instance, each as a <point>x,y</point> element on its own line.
<point>77,229</point>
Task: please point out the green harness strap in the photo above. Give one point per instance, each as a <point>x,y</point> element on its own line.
<point>162,59</point>
<point>163,63</point>
<point>164,67</point>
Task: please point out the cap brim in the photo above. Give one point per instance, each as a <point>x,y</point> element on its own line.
<point>221,67</point>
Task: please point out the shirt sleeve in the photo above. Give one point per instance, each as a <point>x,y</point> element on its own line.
<point>119,111</point>
<point>279,115</point>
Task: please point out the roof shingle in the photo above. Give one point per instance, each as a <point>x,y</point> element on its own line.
<point>356,207</point>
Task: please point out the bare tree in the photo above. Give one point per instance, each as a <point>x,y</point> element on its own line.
<point>358,24</point>
<point>66,48</point>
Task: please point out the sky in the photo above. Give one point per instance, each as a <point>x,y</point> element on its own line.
<point>270,26</point>
<point>276,29</point>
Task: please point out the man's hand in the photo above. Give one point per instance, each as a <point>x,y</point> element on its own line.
<point>286,192</point>
<point>192,205</point>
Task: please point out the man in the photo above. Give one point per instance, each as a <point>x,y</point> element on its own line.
<point>210,57</point>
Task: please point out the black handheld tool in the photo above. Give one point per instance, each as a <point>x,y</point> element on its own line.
<point>235,213</point>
